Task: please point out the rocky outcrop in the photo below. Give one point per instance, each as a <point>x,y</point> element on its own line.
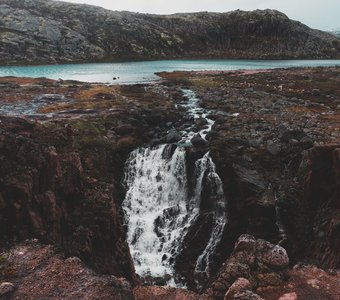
<point>54,32</point>
<point>320,170</point>
<point>252,263</point>
<point>38,272</point>
<point>165,293</point>
<point>46,193</point>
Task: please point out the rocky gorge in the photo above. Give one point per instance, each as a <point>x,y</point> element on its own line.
<point>275,143</point>
<point>49,32</point>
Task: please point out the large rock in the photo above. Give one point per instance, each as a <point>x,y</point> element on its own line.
<point>245,242</point>
<point>253,263</point>
<point>198,141</point>
<point>276,258</point>
<point>6,288</point>
<point>173,136</point>
<point>241,284</point>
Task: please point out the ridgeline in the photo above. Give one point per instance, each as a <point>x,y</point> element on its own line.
<point>45,31</point>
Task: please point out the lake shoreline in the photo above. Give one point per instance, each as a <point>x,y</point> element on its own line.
<point>146,71</point>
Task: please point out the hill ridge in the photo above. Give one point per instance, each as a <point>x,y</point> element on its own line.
<point>36,31</point>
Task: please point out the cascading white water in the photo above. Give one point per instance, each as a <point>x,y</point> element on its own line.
<point>155,207</point>
<point>158,209</point>
<point>219,211</point>
<point>194,110</point>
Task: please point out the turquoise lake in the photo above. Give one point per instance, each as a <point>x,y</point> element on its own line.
<point>143,71</point>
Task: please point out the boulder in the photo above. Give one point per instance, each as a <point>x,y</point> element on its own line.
<point>173,136</point>
<point>253,260</point>
<point>198,142</point>
<point>245,242</point>
<point>276,258</point>
<point>240,284</point>
<point>273,148</point>
<point>6,288</point>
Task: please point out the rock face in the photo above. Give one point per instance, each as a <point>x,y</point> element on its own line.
<point>39,273</point>
<point>253,263</point>
<point>53,32</point>
<point>46,194</point>
<point>319,227</point>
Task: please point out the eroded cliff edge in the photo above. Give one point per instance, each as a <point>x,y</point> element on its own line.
<point>38,32</point>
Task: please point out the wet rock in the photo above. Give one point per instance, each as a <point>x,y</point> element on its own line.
<point>276,258</point>
<point>273,148</point>
<point>240,284</point>
<point>6,288</point>
<point>245,242</point>
<point>200,122</point>
<point>169,151</point>
<point>306,142</point>
<point>249,179</point>
<point>198,141</point>
<point>173,136</point>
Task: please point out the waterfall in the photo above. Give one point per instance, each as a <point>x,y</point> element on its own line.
<point>155,207</point>
<point>159,208</point>
<point>216,196</point>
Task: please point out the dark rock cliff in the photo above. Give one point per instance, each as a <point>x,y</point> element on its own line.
<point>36,31</point>
<point>46,193</point>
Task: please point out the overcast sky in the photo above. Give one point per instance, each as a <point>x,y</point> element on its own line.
<point>321,14</point>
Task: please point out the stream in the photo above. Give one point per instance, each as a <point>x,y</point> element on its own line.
<point>160,205</point>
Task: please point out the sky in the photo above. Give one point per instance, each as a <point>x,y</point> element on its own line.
<point>319,14</point>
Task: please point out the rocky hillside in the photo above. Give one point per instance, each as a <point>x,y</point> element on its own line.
<point>46,31</point>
